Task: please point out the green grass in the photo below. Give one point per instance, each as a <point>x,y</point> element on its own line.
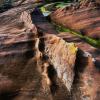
<point>91,41</point>
<point>49,7</point>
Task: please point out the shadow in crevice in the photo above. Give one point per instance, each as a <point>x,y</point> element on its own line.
<point>58,89</point>
<point>81,64</point>
<point>5,7</point>
<point>8,95</point>
<point>52,74</point>
<point>30,45</point>
<point>41,42</point>
<point>97,64</point>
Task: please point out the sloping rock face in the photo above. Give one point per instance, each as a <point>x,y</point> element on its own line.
<point>87,79</point>
<point>37,65</point>
<point>5,5</point>
<point>28,68</point>
<point>17,51</point>
<point>16,2</point>
<point>87,70</point>
<point>21,2</point>
<point>83,18</point>
<point>61,54</point>
<point>26,73</point>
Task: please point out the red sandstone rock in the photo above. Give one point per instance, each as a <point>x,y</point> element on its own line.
<point>26,71</point>
<point>83,18</point>
<point>86,81</point>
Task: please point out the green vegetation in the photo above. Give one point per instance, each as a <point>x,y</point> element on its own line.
<point>47,10</point>
<point>49,7</point>
<point>89,40</point>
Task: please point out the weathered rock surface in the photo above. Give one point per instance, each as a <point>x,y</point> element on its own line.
<point>87,70</point>
<point>25,74</point>
<point>17,54</point>
<point>16,2</point>
<point>28,70</point>
<point>37,65</point>
<point>61,54</point>
<point>83,18</point>
<point>87,80</point>
<point>5,5</point>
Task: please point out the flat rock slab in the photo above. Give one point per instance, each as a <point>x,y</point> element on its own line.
<point>83,18</point>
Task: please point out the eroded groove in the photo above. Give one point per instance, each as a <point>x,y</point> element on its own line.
<point>52,74</point>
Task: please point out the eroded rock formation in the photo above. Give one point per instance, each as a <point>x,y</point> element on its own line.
<point>87,70</point>
<point>83,18</point>
<point>16,2</point>
<point>31,68</point>
<point>35,64</point>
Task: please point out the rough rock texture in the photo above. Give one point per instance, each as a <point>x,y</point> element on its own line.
<point>26,74</point>
<point>17,54</point>
<point>37,65</point>
<point>83,18</point>
<point>17,2</point>
<point>5,5</point>
<point>86,85</point>
<point>19,71</point>
<point>61,54</point>
<point>27,71</point>
<point>81,44</point>
<point>87,79</point>
<point>20,2</point>
<point>87,69</point>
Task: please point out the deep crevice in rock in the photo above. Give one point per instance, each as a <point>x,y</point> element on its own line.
<point>52,74</point>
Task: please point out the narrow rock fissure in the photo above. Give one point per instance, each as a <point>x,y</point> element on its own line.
<point>51,72</point>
